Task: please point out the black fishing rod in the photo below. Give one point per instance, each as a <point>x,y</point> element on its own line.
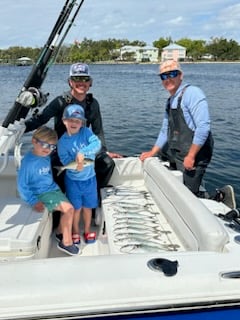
<point>30,90</point>
<point>66,32</point>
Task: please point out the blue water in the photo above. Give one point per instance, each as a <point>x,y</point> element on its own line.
<point>231,313</point>
<point>132,103</point>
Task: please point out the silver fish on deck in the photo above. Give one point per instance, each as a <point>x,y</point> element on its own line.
<point>143,213</point>
<point>146,247</point>
<point>134,235</point>
<point>73,165</point>
<point>159,242</point>
<point>136,219</point>
<point>133,206</point>
<point>136,230</point>
<point>148,221</point>
<point>137,226</point>
<point>128,192</point>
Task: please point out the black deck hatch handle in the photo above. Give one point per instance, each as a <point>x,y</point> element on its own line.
<point>231,275</point>
<point>168,267</point>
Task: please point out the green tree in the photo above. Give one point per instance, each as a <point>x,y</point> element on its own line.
<point>195,48</point>
<point>222,49</point>
<point>161,43</point>
<point>103,50</point>
<point>137,43</point>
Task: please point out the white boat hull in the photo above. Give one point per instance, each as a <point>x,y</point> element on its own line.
<point>103,280</point>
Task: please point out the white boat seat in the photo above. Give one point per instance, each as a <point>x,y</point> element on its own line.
<point>198,229</point>
<point>24,233</point>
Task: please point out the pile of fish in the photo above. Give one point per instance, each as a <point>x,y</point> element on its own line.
<point>137,227</point>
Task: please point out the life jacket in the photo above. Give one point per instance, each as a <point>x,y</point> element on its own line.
<point>180,136</point>
<point>65,100</point>
<point>89,99</point>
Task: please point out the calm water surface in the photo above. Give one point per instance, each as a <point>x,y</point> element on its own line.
<point>132,102</point>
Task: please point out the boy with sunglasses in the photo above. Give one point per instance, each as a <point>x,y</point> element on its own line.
<point>37,187</point>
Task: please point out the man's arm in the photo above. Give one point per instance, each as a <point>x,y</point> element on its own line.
<point>97,124</point>
<point>54,108</point>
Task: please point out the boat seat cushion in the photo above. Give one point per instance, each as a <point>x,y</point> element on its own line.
<point>193,222</point>
<point>22,229</point>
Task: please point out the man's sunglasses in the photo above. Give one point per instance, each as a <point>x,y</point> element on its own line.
<point>80,78</point>
<point>46,145</point>
<point>169,75</point>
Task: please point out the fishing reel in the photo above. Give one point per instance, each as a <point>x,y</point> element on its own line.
<point>32,98</point>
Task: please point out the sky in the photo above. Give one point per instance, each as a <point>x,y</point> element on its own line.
<point>28,23</point>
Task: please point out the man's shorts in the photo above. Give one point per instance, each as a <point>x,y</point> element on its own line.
<point>52,199</point>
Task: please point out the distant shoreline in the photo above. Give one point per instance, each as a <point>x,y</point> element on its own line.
<point>130,62</point>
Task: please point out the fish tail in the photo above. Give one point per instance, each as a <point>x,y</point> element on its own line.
<point>59,169</point>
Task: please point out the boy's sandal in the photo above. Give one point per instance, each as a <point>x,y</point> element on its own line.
<point>76,238</point>
<point>90,237</point>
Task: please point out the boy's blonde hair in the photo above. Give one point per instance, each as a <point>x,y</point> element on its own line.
<point>45,133</point>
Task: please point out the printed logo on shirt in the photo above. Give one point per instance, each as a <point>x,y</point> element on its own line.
<point>82,145</point>
<point>77,148</point>
<point>44,171</point>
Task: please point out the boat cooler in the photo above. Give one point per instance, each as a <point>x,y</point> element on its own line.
<point>24,233</point>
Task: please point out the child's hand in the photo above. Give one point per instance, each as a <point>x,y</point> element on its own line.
<point>79,160</point>
<point>39,207</point>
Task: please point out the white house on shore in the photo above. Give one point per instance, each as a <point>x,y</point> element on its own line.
<point>139,54</point>
<point>24,61</point>
<point>173,52</point>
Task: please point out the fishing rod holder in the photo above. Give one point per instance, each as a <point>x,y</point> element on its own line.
<point>9,138</point>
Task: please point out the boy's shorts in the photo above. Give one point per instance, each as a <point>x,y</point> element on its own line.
<point>52,199</point>
<point>82,193</point>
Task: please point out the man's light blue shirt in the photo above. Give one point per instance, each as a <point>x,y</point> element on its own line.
<point>196,114</point>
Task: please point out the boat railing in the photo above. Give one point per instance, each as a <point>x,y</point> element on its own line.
<point>9,140</point>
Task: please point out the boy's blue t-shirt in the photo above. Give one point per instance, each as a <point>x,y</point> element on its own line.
<point>35,177</point>
<point>84,142</point>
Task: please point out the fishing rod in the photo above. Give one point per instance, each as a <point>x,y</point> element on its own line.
<point>30,96</point>
<point>66,32</point>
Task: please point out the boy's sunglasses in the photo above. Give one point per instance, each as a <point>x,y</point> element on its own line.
<point>46,145</point>
<point>80,78</point>
<point>170,74</point>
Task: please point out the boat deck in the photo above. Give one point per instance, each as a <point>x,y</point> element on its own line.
<point>100,247</point>
<point>137,215</point>
<point>131,224</point>
<point>134,222</point>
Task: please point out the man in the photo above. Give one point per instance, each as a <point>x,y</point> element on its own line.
<point>185,136</point>
<point>80,82</point>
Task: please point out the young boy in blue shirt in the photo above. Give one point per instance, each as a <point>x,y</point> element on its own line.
<point>77,143</point>
<point>37,187</point>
